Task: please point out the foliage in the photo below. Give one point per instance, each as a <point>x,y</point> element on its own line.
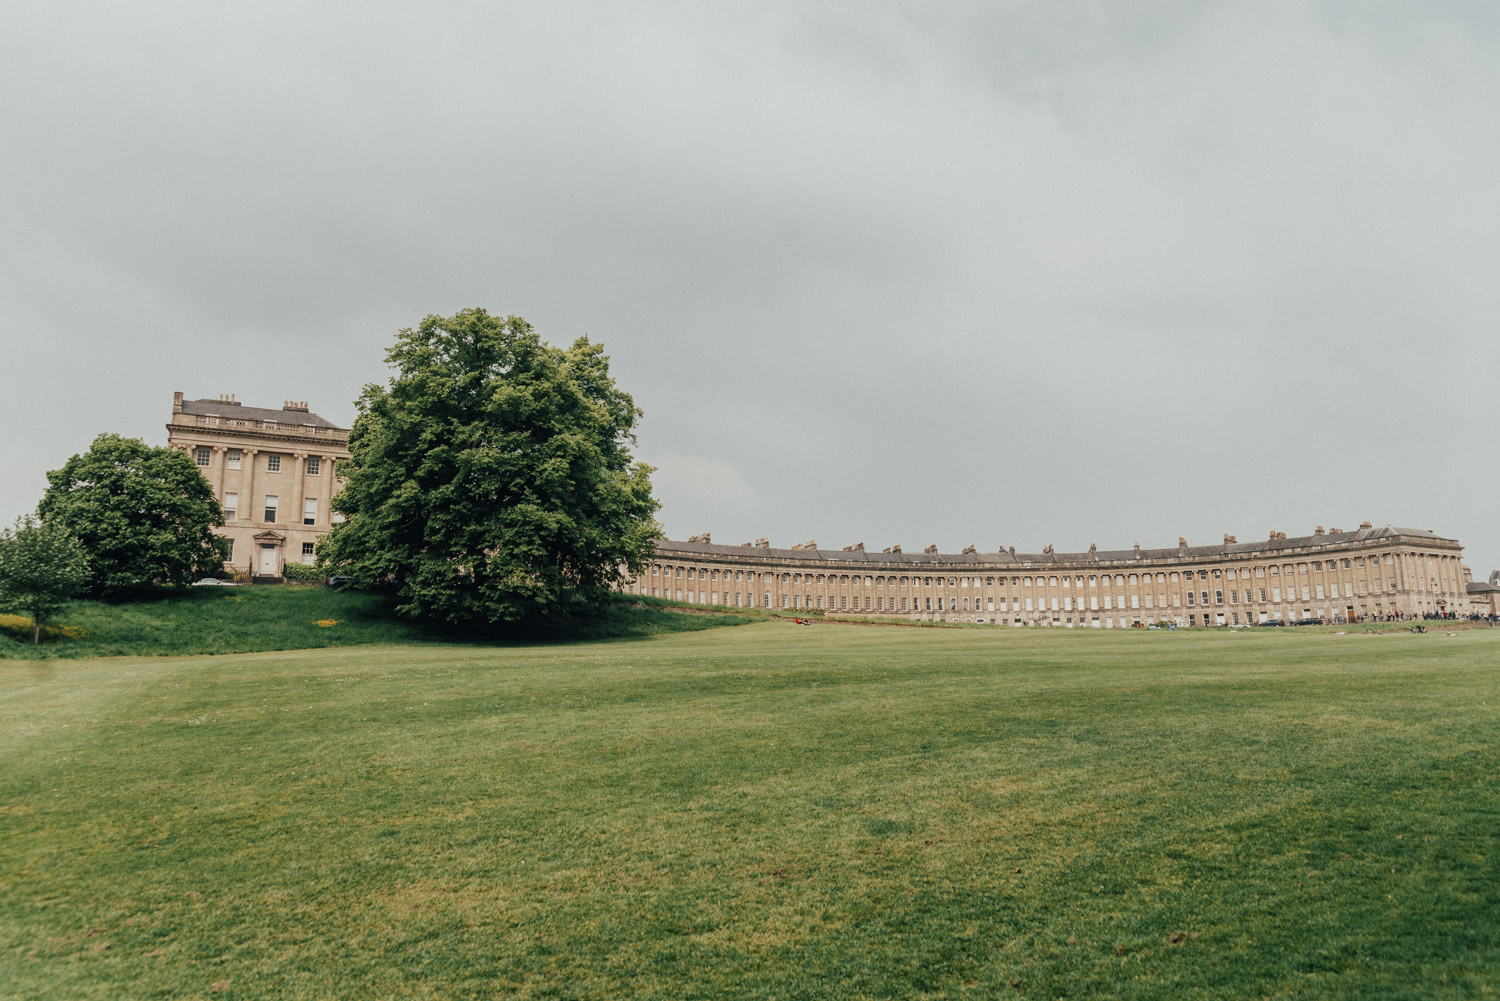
<point>41,568</point>
<point>143,514</point>
<point>303,572</point>
<point>492,479</point>
<point>762,812</point>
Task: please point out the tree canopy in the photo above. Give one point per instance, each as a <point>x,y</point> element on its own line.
<point>491,480</point>
<point>143,514</point>
<point>42,568</point>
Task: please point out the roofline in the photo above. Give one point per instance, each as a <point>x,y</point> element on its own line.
<point>1363,539</point>
<point>217,435</point>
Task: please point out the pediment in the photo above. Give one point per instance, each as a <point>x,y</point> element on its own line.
<point>269,536</point>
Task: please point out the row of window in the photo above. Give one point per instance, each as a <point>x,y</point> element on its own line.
<point>234,458</point>
<point>1094,580</point>
<point>307,551</point>
<point>1321,588</point>
<point>946,604</point>
<point>272,508</point>
<point>941,603</point>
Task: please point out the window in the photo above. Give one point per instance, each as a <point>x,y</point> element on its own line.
<point>310,511</point>
<point>307,552</point>
<point>202,455</point>
<point>228,550</point>
<point>232,458</point>
<point>314,465</point>
<point>273,463</point>
<point>231,507</point>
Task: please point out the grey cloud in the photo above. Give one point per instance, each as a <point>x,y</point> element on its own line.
<point>1022,272</point>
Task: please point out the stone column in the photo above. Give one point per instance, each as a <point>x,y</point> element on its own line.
<point>298,489</point>
<point>219,464</point>
<point>248,509</point>
<point>325,502</point>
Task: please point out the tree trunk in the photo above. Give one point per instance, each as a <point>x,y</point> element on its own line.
<point>36,632</point>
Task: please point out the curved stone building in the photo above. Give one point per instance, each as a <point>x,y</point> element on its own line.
<point>1335,575</point>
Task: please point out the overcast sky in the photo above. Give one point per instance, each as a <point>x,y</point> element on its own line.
<point>1004,273</point>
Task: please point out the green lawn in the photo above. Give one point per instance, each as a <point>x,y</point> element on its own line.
<point>766,811</point>
<point>199,620</point>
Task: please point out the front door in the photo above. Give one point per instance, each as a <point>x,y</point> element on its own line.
<point>268,566</point>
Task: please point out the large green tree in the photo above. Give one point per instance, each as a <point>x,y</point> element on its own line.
<point>492,479</point>
<point>143,514</point>
<point>42,568</point>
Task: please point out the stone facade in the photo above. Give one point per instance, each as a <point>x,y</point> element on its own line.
<point>1484,596</point>
<point>272,470</point>
<point>1334,575</point>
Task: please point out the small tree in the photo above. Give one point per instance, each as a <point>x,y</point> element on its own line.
<point>144,514</point>
<point>42,568</point>
<point>492,479</point>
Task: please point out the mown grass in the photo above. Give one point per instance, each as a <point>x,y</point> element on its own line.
<point>220,620</point>
<point>760,812</point>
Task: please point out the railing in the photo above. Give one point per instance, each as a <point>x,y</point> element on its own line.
<point>281,428</point>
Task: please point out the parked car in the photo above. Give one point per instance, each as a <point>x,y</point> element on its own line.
<point>1272,622</point>
<point>339,580</point>
<point>214,582</point>
<point>1308,622</point>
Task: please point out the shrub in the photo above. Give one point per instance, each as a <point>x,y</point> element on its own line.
<point>303,572</point>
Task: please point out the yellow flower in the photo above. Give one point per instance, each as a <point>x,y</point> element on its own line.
<point>325,623</point>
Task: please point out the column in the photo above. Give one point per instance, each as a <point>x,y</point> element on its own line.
<point>219,463</point>
<point>325,502</point>
<point>248,510</point>
<point>298,489</point>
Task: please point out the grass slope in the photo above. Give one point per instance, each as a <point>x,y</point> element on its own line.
<point>762,812</point>
<point>217,620</point>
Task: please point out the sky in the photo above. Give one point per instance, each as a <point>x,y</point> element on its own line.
<point>1001,274</point>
